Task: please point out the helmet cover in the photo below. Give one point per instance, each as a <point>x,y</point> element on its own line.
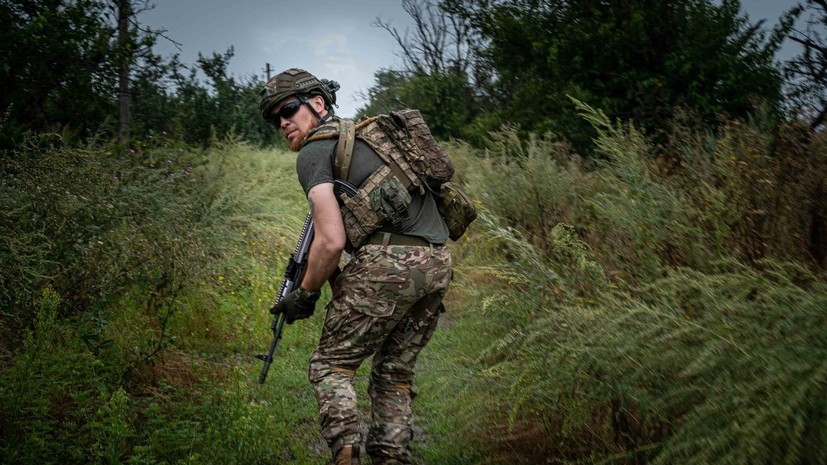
<point>294,81</point>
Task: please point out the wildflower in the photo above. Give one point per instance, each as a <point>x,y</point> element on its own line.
<point>221,278</point>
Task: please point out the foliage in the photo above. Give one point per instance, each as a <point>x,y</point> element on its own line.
<point>722,367</point>
<point>384,96</point>
<point>71,88</point>
<point>628,309</point>
<point>660,302</point>
<point>435,77</point>
<point>806,73</point>
<point>639,60</point>
<point>169,99</point>
<point>661,311</point>
<point>89,227</point>
<point>126,287</point>
<point>68,86</point>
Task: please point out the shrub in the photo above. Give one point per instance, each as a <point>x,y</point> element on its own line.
<point>663,308</point>
<point>133,278</point>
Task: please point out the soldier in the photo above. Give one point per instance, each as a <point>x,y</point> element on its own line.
<point>387,298</point>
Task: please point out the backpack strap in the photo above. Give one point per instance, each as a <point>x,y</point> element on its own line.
<point>346,132</point>
<point>344,149</point>
<point>322,132</point>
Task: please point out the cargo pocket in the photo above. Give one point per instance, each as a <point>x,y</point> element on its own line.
<point>381,289</point>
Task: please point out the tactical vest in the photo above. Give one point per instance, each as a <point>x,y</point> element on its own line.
<point>413,160</point>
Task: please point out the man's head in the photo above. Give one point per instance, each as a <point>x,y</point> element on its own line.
<point>296,116</point>
<point>295,101</point>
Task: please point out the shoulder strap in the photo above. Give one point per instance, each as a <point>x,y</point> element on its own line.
<point>344,149</point>
<point>346,133</point>
<point>325,131</point>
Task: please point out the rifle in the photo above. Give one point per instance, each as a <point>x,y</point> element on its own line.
<point>292,278</point>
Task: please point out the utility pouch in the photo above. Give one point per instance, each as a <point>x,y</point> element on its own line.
<point>457,209</point>
<point>391,200</point>
<point>381,197</point>
<point>360,220</point>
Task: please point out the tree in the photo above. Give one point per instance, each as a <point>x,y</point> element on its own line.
<point>68,58</point>
<point>437,70</point>
<point>634,59</point>
<point>440,42</point>
<point>168,98</point>
<point>134,43</point>
<point>125,12</point>
<point>386,93</point>
<point>60,71</point>
<point>807,73</point>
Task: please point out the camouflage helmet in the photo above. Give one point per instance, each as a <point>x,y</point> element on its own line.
<point>295,81</point>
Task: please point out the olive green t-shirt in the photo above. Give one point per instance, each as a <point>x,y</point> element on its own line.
<point>314,166</point>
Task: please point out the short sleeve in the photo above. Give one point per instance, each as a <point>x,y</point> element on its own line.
<point>314,164</point>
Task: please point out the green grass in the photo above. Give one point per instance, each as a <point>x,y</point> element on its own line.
<point>160,368</point>
<point>651,319</point>
<point>629,310</point>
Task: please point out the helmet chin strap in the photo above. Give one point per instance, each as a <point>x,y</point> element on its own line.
<point>314,112</point>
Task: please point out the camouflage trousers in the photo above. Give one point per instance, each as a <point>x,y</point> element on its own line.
<point>386,303</point>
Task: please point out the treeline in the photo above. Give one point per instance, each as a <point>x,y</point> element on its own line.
<point>61,64</point>
<point>471,67</point>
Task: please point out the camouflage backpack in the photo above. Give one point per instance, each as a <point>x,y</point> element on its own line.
<point>412,158</point>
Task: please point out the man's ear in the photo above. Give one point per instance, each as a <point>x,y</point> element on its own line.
<point>318,103</point>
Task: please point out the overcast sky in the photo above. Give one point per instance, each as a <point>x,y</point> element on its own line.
<point>331,39</point>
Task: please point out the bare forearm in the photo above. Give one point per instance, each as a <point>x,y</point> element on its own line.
<point>322,261</point>
<point>329,237</point>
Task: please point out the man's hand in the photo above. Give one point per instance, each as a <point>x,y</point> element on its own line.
<point>297,305</point>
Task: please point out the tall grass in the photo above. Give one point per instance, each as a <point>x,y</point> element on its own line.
<point>131,289</point>
<point>655,305</point>
<point>665,307</point>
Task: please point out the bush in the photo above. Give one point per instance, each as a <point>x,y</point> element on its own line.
<point>693,368</point>
<point>126,283</point>
<point>665,306</point>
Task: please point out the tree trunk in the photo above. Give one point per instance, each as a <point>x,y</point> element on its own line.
<point>124,12</point>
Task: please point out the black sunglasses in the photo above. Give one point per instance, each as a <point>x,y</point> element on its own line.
<point>288,110</point>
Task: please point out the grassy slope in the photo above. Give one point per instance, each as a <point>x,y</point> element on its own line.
<point>281,416</point>
<point>522,367</point>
